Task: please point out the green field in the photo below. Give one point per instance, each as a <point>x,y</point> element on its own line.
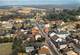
<point>5,48</point>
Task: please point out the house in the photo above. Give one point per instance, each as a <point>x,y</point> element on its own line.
<point>52,34</point>
<point>18,20</point>
<point>78,17</point>
<point>46,28</point>
<point>6,24</point>
<point>58,10</point>
<point>2,32</point>
<point>57,21</point>
<point>47,25</point>
<point>29,49</point>
<point>35,30</point>
<point>71,53</point>
<point>60,34</point>
<point>37,36</point>
<point>44,50</point>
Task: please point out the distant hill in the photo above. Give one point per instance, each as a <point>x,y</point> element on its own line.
<point>71,6</point>
<point>56,6</point>
<point>5,7</point>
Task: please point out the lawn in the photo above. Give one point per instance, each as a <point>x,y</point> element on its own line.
<point>5,48</point>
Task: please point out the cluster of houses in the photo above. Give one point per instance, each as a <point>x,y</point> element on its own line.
<point>60,35</point>
<point>57,30</point>
<point>11,26</point>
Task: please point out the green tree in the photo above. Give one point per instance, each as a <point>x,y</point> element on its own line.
<point>1,40</point>
<point>52,16</point>
<point>5,39</point>
<point>77,26</point>
<point>16,43</point>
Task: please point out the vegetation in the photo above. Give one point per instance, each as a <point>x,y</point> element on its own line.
<point>6,39</point>
<point>16,46</point>
<point>16,43</point>
<point>42,39</point>
<point>77,26</point>
<point>66,15</point>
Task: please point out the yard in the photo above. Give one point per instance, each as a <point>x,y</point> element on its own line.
<point>5,48</point>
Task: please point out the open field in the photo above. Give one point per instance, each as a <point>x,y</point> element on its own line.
<point>5,48</point>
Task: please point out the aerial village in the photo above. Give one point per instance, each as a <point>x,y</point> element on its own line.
<point>34,31</point>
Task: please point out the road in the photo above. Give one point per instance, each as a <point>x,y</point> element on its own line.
<point>48,41</point>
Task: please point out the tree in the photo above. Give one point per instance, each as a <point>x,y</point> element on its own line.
<point>11,39</point>
<point>41,39</point>
<point>16,45</point>
<point>52,16</point>
<point>66,15</point>
<point>5,39</point>
<point>1,40</point>
<point>77,26</point>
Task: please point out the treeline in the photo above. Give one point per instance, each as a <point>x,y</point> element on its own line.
<point>15,15</point>
<point>65,15</point>
<point>6,39</point>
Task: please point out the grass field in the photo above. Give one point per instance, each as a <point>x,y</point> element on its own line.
<point>5,48</point>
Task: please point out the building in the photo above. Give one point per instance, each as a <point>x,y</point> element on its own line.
<point>60,34</point>
<point>46,28</point>
<point>71,53</point>
<point>58,10</point>
<point>44,50</point>
<point>6,24</point>
<point>37,36</point>
<point>35,30</point>
<point>58,22</point>
<point>78,17</point>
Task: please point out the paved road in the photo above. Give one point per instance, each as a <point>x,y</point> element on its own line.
<point>48,41</point>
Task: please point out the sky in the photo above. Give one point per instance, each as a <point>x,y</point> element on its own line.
<point>38,2</point>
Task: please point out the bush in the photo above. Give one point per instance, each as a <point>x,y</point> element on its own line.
<point>6,39</point>
<point>11,39</point>
<point>41,39</point>
<point>1,40</point>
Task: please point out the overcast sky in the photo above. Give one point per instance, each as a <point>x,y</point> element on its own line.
<point>37,2</point>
